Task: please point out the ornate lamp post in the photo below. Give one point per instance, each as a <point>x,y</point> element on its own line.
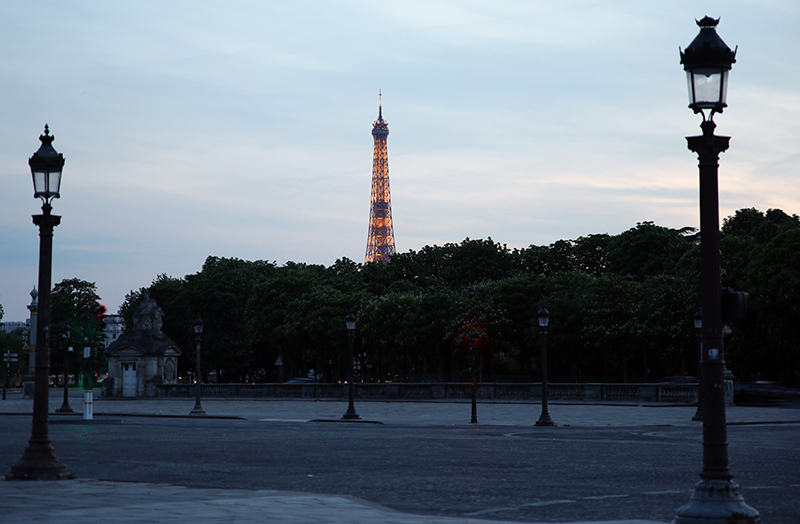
<point>716,497</point>
<point>698,324</point>
<point>65,407</point>
<point>198,333</point>
<point>544,320</point>
<point>350,414</point>
<point>39,461</point>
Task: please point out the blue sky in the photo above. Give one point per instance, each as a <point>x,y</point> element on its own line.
<point>242,129</point>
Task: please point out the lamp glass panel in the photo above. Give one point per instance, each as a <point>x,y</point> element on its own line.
<point>54,183</point>
<point>39,182</point>
<point>706,87</point>
<point>724,91</point>
<point>543,321</point>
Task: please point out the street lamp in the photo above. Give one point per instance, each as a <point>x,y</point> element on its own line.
<point>198,333</point>
<point>39,460</point>
<point>698,324</point>
<point>350,322</point>
<point>716,497</point>
<point>544,320</point>
<point>65,407</point>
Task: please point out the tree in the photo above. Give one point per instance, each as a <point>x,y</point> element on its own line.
<point>759,256</point>
<point>647,250</point>
<point>420,313</point>
<point>76,320</point>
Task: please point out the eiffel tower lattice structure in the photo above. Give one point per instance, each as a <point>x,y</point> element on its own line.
<point>380,241</point>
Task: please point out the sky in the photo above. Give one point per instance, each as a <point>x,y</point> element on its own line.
<point>243,128</point>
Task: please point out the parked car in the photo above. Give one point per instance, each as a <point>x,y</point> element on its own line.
<point>763,392</point>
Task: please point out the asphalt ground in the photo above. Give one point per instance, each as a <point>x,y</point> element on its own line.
<point>294,461</point>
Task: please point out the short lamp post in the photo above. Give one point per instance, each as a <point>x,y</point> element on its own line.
<point>65,407</point>
<point>698,325</point>
<point>350,414</point>
<point>473,388</point>
<point>198,333</point>
<point>716,498</point>
<point>544,320</point>
<point>39,461</point>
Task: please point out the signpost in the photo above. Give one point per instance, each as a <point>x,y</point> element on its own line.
<point>8,357</point>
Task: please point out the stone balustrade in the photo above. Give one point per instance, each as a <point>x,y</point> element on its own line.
<point>588,392</point>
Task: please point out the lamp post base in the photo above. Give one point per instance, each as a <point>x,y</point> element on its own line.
<point>716,501</point>
<point>65,407</point>
<point>474,416</point>
<point>351,415</point>
<point>545,420</point>
<point>39,462</point>
<point>197,409</point>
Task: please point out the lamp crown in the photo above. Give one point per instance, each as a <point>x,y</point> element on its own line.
<point>47,157</point>
<point>707,49</point>
<point>46,166</point>
<point>46,138</point>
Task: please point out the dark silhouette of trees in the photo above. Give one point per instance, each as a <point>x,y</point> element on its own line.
<point>621,306</point>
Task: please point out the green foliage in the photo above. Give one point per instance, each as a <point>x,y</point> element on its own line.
<point>761,255</point>
<point>76,320</point>
<point>647,250</point>
<point>621,308</point>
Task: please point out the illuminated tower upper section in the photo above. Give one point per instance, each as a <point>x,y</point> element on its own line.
<point>380,241</point>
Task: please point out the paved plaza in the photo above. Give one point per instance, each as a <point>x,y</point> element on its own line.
<point>419,413</point>
<point>199,485</point>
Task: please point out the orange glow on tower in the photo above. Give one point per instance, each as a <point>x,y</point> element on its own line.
<point>380,241</point>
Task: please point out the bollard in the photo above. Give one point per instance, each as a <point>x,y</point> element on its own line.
<point>88,410</point>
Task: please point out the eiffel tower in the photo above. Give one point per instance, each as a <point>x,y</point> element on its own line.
<point>380,241</point>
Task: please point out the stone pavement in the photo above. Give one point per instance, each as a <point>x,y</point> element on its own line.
<point>127,503</point>
<point>77,500</point>
<point>422,413</point>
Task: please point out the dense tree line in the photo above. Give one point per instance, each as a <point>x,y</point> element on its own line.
<point>621,306</point>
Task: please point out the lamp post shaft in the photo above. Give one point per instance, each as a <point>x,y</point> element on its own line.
<point>716,497</point>
<point>351,374</point>
<point>351,414</point>
<point>198,407</point>
<point>474,391</point>
<point>65,407</point>
<point>544,419</point>
<point>698,415</point>
<point>715,441</point>
<point>39,461</point>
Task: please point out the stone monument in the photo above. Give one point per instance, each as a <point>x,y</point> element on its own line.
<point>142,358</point>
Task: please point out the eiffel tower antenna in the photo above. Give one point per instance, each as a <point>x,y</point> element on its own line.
<point>380,240</point>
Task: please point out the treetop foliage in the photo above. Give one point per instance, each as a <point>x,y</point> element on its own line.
<point>622,307</point>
